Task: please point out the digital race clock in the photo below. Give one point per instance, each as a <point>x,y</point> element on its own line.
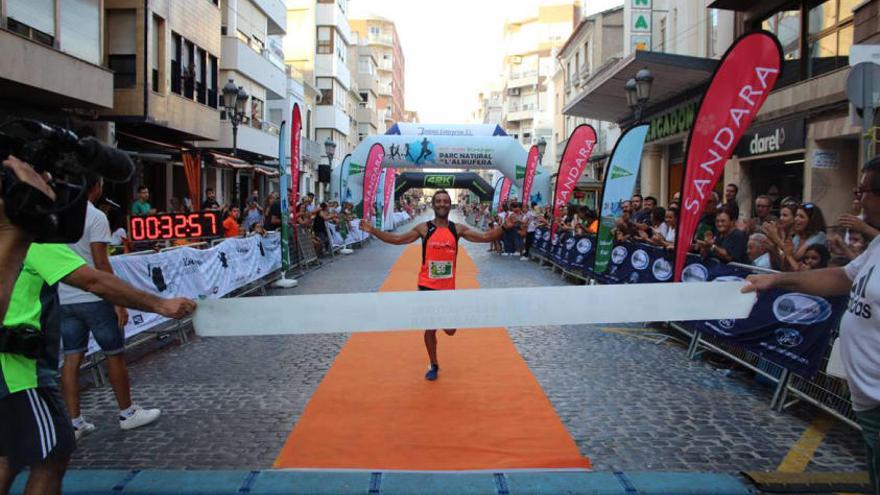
<point>167,226</point>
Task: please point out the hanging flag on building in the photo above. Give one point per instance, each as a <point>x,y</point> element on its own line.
<point>529,179</point>
<point>574,159</point>
<point>741,83</point>
<point>372,172</point>
<point>620,180</point>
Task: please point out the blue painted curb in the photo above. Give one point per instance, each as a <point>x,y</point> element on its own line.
<point>277,482</point>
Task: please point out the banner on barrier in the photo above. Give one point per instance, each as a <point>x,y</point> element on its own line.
<point>741,83</point>
<point>196,273</point>
<point>790,329</point>
<point>620,181</point>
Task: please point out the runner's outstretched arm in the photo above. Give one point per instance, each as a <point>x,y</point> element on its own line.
<point>405,238</point>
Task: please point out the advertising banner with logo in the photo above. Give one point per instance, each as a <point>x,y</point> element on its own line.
<point>790,329</point>
<point>574,159</point>
<point>496,195</point>
<point>388,198</point>
<point>446,150</point>
<point>196,273</point>
<point>506,185</point>
<point>741,83</point>
<point>284,199</point>
<point>620,181</point>
<point>529,178</point>
<point>372,173</point>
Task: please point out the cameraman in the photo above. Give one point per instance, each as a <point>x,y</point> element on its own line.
<point>35,430</point>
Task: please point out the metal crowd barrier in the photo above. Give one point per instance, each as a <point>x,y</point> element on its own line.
<point>826,392</point>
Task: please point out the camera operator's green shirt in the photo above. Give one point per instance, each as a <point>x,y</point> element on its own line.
<point>34,302</point>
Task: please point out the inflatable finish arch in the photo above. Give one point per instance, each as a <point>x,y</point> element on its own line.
<point>443,180</point>
<point>424,146</point>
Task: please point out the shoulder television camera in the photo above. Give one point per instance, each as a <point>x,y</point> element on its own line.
<point>68,162</point>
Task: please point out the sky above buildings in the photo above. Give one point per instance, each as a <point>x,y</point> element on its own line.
<point>453,48</point>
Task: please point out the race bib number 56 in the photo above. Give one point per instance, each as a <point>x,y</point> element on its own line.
<point>440,269</point>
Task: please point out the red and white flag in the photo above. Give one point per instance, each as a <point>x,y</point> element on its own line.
<point>741,83</point>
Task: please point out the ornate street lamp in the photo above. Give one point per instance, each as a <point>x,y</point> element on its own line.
<point>638,92</point>
<point>330,149</point>
<point>542,147</point>
<point>234,102</point>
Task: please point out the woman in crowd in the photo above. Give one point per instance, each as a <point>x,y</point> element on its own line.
<point>808,229</point>
<point>779,233</point>
<point>730,244</point>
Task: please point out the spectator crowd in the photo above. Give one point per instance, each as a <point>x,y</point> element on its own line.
<point>785,236</point>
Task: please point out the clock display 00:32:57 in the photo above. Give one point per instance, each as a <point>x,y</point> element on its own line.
<point>167,226</point>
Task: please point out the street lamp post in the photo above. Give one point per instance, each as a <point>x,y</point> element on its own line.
<point>638,92</point>
<point>330,150</point>
<point>234,103</point>
<point>542,147</point>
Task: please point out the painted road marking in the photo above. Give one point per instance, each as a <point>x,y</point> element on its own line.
<point>803,450</point>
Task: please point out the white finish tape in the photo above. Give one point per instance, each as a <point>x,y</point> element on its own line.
<point>480,308</point>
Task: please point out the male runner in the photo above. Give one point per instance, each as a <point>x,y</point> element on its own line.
<point>439,252</point>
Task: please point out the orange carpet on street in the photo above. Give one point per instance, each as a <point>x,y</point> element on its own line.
<point>374,410</point>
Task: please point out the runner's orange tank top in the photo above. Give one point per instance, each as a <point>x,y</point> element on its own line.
<point>439,252</point>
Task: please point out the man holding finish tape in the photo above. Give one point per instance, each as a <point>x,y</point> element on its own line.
<point>439,254</point>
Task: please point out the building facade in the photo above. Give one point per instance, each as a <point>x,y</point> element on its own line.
<point>166,62</point>
<point>380,35</point>
<point>595,42</point>
<point>528,68</point>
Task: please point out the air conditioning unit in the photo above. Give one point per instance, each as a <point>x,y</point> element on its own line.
<point>512,91</point>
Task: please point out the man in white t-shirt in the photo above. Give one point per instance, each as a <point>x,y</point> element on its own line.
<point>83,313</point>
<point>860,325</point>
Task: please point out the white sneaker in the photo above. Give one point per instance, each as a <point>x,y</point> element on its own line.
<point>140,418</point>
<point>84,429</point>
<point>524,258</point>
<point>346,251</point>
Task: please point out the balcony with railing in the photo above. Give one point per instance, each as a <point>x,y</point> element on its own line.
<point>523,78</point>
<point>240,57</point>
<point>312,151</point>
<point>380,39</point>
<point>516,112</point>
<point>585,73</point>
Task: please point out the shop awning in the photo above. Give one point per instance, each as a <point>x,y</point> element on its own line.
<point>222,160</point>
<point>604,98</point>
<point>268,172</point>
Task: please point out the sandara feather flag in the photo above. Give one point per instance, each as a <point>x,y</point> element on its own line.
<point>741,83</point>
<point>372,172</point>
<point>574,160</point>
<point>529,179</point>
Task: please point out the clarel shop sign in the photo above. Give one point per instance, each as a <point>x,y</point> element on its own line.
<point>773,138</point>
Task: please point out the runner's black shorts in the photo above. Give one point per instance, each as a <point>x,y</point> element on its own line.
<point>34,426</point>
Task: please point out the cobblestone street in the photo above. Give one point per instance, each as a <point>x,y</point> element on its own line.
<point>629,403</point>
